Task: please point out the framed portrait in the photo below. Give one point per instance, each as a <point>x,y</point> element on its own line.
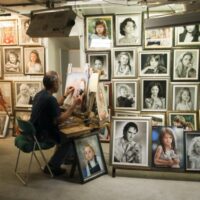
<point>128,29</point>
<point>124,63</point>
<point>125,95</point>
<point>156,119</point>
<point>130,141</point>
<point>104,134</point>
<point>25,92</point>
<point>91,162</point>
<point>185,96</point>
<point>158,38</point>
<point>154,94</point>
<point>192,150</point>
<point>6,97</point>
<point>187,35</point>
<point>168,158</point>
<point>34,60</point>
<point>13,60</point>
<point>187,120</point>
<point>8,32</point>
<point>99,32</point>
<point>100,62</point>
<point>154,63</point>
<point>25,39</point>
<point>4,122</point>
<point>186,65</point>
<point>108,92</point>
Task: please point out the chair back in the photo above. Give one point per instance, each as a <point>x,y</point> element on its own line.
<point>26,128</point>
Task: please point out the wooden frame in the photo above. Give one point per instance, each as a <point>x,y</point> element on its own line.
<point>88,150</point>
<point>134,131</point>
<point>13,60</point>
<point>124,62</point>
<point>4,122</point>
<point>34,60</point>
<point>95,24</point>
<point>132,22</point>
<point>156,119</point>
<point>154,63</point>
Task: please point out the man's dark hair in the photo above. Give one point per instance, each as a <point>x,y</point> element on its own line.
<point>49,79</point>
<point>127,126</point>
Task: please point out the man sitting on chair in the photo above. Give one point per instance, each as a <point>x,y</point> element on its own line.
<point>46,116</point>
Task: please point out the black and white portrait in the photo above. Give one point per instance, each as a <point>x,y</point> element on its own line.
<point>185,97</point>
<point>124,62</point>
<point>186,64</point>
<point>128,30</point>
<point>125,95</point>
<point>25,92</point>
<point>13,60</point>
<point>100,63</point>
<point>156,63</point>
<point>187,35</point>
<point>130,141</point>
<point>154,95</point>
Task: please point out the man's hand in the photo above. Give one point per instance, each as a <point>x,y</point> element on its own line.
<point>69,90</point>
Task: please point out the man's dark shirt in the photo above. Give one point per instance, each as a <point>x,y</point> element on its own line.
<point>45,112</point>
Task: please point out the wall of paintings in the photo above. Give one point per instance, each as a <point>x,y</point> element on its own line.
<point>151,79</point>
<point>21,71</point>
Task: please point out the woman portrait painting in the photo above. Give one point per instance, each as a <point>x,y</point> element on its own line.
<point>155,95</point>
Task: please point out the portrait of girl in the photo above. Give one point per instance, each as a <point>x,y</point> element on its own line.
<point>12,62</point>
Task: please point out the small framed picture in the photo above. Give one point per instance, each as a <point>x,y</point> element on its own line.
<point>108,93</point>
<point>185,97</point>
<point>13,60</point>
<point>156,119</point>
<point>125,95</point>
<point>99,32</point>
<point>25,39</point>
<point>34,60</point>
<point>158,38</point>
<point>124,63</point>
<point>128,29</point>
<point>4,122</point>
<point>154,94</point>
<point>6,97</point>
<point>8,32</point>
<point>25,92</point>
<point>187,120</point>
<point>187,35</point>
<point>154,63</point>
<point>100,62</point>
<point>130,141</point>
<point>104,134</point>
<point>164,157</point>
<point>91,162</point>
<point>186,65</point>
<point>192,150</point>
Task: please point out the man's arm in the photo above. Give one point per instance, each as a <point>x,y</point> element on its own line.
<point>69,90</point>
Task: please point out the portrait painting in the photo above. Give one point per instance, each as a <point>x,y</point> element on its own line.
<point>6,104</point>
<point>130,141</point>
<point>25,39</point>
<point>154,95</point>
<point>34,60</point>
<point>187,35</point>
<point>102,106</point>
<point>25,92</point>
<point>186,65</point>
<point>99,32</point>
<point>167,148</point>
<point>8,32</point>
<point>91,162</point>
<point>154,63</point>
<point>13,60</point>
<point>186,120</point>
<point>124,63</point>
<point>128,29</point>
<point>192,150</point>
<point>125,95</point>
<point>158,38</point>
<point>185,97</point>
<point>100,63</point>
<point>4,122</point>
<point>156,119</point>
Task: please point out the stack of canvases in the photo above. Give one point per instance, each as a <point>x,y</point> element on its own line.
<point>21,58</point>
<point>153,79</point>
